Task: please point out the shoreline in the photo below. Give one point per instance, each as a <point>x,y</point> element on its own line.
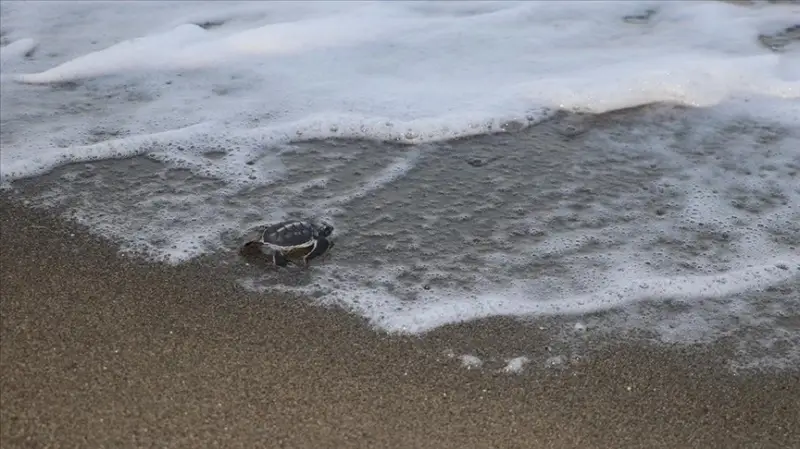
<point>104,349</point>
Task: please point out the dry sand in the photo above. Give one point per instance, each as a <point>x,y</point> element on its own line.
<point>100,351</point>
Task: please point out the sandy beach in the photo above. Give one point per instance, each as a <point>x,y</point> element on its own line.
<point>102,351</point>
<point>557,225</point>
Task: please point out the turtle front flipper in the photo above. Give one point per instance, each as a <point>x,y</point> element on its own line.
<point>278,259</point>
<point>321,246</point>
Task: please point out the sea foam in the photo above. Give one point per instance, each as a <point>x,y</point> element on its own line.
<point>397,71</point>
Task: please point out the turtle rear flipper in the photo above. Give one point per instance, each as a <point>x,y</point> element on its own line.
<point>251,248</point>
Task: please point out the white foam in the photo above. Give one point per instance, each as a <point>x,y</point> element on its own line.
<point>515,365</point>
<point>17,49</point>
<point>632,285</point>
<point>394,171</point>
<point>413,73</point>
<point>556,360</point>
<point>470,361</point>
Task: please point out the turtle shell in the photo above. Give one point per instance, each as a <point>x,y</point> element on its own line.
<point>288,235</point>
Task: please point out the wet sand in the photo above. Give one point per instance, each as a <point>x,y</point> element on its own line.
<point>102,351</point>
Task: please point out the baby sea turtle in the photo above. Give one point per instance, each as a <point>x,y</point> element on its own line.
<point>294,238</point>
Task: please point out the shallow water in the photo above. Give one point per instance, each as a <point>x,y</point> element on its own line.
<point>459,185</point>
<point>626,216</point>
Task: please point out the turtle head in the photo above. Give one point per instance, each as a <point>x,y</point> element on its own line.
<point>324,229</point>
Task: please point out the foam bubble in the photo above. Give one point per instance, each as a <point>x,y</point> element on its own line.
<point>470,361</point>
<point>515,365</point>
